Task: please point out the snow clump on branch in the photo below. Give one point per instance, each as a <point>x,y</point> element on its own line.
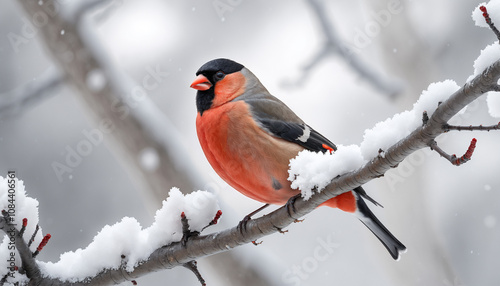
<point>124,243</point>
<point>311,170</point>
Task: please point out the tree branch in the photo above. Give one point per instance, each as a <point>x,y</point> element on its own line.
<point>179,253</point>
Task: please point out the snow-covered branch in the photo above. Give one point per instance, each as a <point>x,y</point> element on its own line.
<point>178,253</point>
<point>123,246</point>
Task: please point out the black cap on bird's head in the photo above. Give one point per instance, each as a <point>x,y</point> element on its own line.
<point>207,77</point>
<point>224,65</point>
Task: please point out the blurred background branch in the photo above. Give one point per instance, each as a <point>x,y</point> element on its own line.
<point>333,44</point>
<point>111,97</point>
<point>15,101</point>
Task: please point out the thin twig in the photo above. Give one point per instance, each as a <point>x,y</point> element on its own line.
<point>186,234</point>
<point>28,261</point>
<point>434,147</point>
<point>453,158</point>
<point>192,265</point>
<point>489,22</point>
<point>34,235</point>
<point>42,244</point>
<point>425,118</point>
<point>185,229</point>
<point>214,221</point>
<point>23,227</point>
<point>448,127</point>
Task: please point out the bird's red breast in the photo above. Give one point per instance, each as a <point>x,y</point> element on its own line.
<point>248,158</point>
<point>244,155</point>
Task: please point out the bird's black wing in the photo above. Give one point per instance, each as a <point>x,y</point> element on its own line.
<point>299,133</point>
<point>280,121</point>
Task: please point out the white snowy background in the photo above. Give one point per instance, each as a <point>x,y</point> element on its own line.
<point>434,208</point>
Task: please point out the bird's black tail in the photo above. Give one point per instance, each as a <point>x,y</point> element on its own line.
<point>365,215</point>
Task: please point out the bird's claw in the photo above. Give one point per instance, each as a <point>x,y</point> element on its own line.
<point>242,225</point>
<point>290,204</point>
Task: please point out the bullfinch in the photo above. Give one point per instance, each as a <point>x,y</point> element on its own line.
<point>249,137</point>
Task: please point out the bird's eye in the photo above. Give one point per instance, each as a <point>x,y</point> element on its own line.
<point>219,75</point>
